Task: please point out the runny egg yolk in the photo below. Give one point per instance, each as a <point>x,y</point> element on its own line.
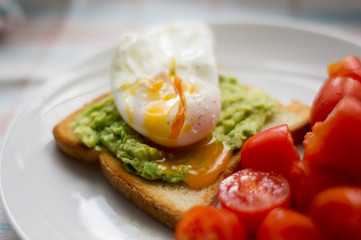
<point>180,116</point>
<point>165,106</point>
<point>164,97</point>
<point>205,161</point>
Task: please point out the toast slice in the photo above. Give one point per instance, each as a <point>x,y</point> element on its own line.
<point>166,202</point>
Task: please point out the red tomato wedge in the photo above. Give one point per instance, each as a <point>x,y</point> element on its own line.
<point>336,141</point>
<point>331,92</point>
<point>209,222</point>
<point>337,212</point>
<point>270,150</point>
<point>308,179</point>
<point>287,224</point>
<point>252,194</point>
<point>348,67</point>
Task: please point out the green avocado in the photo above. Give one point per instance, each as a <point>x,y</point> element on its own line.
<point>244,111</point>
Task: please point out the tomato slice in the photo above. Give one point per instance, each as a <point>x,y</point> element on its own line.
<point>337,212</point>
<point>252,194</point>
<point>270,150</point>
<point>283,223</point>
<point>209,222</point>
<point>336,141</point>
<point>348,67</point>
<point>331,92</point>
<point>308,179</point>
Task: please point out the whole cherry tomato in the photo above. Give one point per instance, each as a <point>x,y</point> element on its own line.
<point>287,224</point>
<point>336,141</point>
<point>348,67</point>
<point>308,179</point>
<point>270,150</point>
<point>331,92</point>
<point>252,194</point>
<point>209,222</point>
<point>337,212</point>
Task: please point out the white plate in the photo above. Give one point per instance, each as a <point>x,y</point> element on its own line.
<point>48,196</point>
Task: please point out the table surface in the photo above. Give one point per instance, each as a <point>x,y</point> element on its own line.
<point>39,38</point>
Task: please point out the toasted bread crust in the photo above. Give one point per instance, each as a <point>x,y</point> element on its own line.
<point>166,202</point>
<point>69,143</point>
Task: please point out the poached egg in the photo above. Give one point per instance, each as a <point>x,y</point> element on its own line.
<point>165,83</point>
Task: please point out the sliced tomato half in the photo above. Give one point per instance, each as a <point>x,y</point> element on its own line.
<point>252,194</point>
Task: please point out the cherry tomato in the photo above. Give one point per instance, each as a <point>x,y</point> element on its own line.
<point>252,194</point>
<point>348,67</point>
<point>331,92</point>
<point>308,137</point>
<point>270,150</point>
<point>336,141</point>
<point>337,212</point>
<point>308,179</point>
<point>209,222</point>
<point>287,224</point>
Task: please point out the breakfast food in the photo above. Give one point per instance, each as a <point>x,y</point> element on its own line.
<point>337,212</point>
<point>268,190</point>
<point>344,80</point>
<point>165,201</point>
<point>285,223</point>
<point>165,137</point>
<point>165,83</point>
<point>211,219</point>
<point>261,151</point>
<point>324,184</point>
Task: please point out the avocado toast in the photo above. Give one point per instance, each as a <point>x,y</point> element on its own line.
<point>165,201</point>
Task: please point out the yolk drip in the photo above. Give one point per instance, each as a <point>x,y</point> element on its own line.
<point>180,117</point>
<point>205,161</point>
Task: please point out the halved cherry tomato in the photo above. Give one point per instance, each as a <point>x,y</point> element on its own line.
<point>209,222</point>
<point>252,194</point>
<point>348,67</point>
<point>331,92</point>
<point>287,224</point>
<point>270,150</point>
<point>336,141</point>
<point>308,137</point>
<point>337,212</point>
<point>308,179</point>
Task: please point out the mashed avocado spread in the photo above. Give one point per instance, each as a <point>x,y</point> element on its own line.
<point>244,112</point>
